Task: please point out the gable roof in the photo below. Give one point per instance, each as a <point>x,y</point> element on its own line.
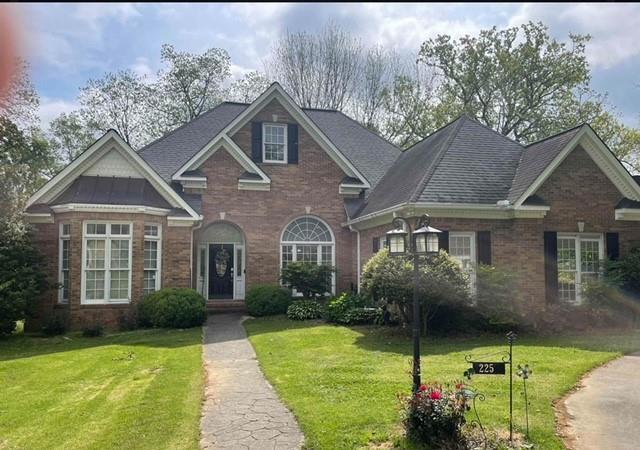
<point>535,158</point>
<point>110,141</point>
<point>367,153</point>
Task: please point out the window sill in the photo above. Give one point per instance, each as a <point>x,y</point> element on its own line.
<point>103,303</point>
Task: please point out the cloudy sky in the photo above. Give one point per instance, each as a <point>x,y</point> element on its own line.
<point>68,44</point>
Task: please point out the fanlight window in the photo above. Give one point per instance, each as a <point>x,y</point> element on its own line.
<point>307,229</point>
<point>307,239</point>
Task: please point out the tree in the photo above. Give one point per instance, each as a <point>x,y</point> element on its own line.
<point>248,88</point>
<point>190,85</point>
<point>22,275</point>
<point>69,135</point>
<point>441,283</point>
<point>19,103</point>
<point>26,162</point>
<point>118,101</point>
<point>522,83</point>
<point>319,71</point>
<point>378,69</point>
<point>514,80</point>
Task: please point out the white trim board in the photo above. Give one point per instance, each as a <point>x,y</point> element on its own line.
<point>110,141</point>
<point>603,158</point>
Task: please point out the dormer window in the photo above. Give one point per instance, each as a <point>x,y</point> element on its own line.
<point>274,143</point>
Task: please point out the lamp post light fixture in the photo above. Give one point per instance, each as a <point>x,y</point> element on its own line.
<point>423,241</point>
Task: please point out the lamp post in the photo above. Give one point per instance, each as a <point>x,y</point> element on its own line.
<point>422,241</point>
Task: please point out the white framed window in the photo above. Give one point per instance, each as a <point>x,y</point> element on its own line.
<point>308,239</point>
<point>274,143</point>
<point>462,248</point>
<point>578,260</point>
<point>106,262</point>
<point>63,262</point>
<point>152,258</point>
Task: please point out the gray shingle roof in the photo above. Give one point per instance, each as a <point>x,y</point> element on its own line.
<point>465,162</point>
<point>535,158</point>
<point>368,152</point>
<point>167,154</point>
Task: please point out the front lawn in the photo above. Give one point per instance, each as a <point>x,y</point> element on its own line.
<point>342,383</point>
<point>134,390</point>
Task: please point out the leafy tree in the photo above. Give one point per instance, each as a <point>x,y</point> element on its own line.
<point>118,101</point>
<point>441,283</point>
<point>69,135</point>
<point>309,279</point>
<point>190,84</point>
<point>22,276</point>
<point>248,88</point>
<point>26,162</point>
<point>522,83</point>
<point>19,103</point>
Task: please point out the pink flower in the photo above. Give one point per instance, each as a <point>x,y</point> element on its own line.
<point>423,388</point>
<point>435,395</point>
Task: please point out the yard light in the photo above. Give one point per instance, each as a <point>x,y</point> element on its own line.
<point>424,242</point>
<point>397,241</point>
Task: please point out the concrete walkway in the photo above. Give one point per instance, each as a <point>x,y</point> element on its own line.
<point>605,412</point>
<point>241,409</point>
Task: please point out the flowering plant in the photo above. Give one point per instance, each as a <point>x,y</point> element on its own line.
<point>434,415</point>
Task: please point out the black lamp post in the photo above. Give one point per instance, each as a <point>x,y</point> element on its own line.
<point>423,241</point>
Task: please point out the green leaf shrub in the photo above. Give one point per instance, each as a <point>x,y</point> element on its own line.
<point>304,310</point>
<point>310,280</point>
<point>172,308</point>
<point>268,300</point>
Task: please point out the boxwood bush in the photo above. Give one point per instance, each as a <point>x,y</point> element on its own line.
<point>172,308</point>
<point>267,300</point>
<point>304,310</point>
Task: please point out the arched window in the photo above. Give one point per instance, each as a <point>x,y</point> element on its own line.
<point>308,239</point>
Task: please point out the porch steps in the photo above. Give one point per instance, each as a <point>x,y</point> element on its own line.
<point>219,306</point>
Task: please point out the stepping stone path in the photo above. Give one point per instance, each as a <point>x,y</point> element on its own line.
<point>241,409</point>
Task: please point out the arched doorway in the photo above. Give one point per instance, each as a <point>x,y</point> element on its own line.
<point>221,262</point>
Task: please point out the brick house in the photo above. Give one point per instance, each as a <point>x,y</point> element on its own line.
<point>223,202</point>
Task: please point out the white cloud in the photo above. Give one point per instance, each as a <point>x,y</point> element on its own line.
<point>91,14</point>
<point>615,28</point>
<point>142,67</point>
<point>50,108</point>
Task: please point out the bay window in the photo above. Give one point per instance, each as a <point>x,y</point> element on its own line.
<point>106,262</point>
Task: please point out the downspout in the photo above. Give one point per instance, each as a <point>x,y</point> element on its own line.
<point>357,255</point>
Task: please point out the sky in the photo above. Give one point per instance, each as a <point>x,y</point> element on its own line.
<point>68,44</point>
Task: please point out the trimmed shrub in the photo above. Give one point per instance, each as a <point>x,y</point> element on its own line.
<point>268,300</point>
<point>94,330</point>
<point>337,307</point>
<point>310,280</point>
<point>172,308</point>
<point>304,310</point>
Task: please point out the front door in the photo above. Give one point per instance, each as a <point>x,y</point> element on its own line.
<point>221,271</point>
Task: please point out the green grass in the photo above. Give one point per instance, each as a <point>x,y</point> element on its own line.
<point>134,390</point>
<point>342,383</point>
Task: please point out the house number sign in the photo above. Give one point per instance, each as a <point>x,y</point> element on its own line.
<point>489,368</point>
